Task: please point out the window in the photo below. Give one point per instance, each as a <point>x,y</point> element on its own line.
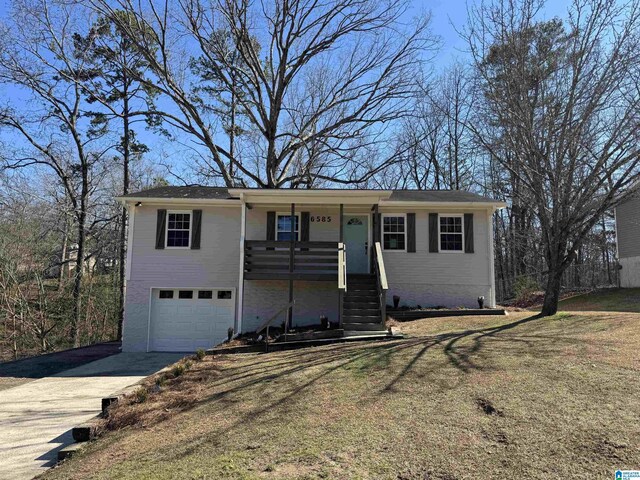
<point>224,295</point>
<point>165,294</point>
<point>205,294</point>
<point>451,237</point>
<point>283,227</point>
<point>185,294</point>
<point>394,232</point>
<point>178,229</point>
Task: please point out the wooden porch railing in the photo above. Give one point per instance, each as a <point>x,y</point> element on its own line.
<point>273,260</point>
<point>342,279</point>
<point>267,325</point>
<point>381,278</point>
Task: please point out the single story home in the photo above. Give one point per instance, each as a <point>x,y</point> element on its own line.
<point>628,241</point>
<point>204,260</point>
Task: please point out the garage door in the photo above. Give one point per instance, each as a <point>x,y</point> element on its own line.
<point>184,320</point>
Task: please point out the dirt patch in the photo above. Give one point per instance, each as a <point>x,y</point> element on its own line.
<point>487,407</point>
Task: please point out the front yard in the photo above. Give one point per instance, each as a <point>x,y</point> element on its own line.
<point>462,398</point>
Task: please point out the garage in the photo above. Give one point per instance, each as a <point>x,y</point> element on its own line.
<point>183,320</point>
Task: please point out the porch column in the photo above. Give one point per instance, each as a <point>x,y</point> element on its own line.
<point>376,235</point>
<point>240,299</point>
<point>292,244</point>
<point>341,292</point>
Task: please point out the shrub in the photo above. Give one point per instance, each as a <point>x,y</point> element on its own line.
<point>178,369</point>
<point>141,395</point>
<point>200,353</point>
<point>525,287</point>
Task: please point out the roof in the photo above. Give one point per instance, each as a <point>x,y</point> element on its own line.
<point>438,196</point>
<point>197,192</point>
<point>190,191</point>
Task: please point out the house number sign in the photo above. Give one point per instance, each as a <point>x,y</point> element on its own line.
<point>320,218</point>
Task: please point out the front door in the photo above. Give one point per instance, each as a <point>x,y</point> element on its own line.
<point>356,239</point>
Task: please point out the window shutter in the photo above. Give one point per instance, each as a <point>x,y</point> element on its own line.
<point>411,232</point>
<point>378,228</point>
<point>468,233</point>
<point>304,227</point>
<point>161,226</point>
<point>433,232</point>
<point>271,226</point>
<point>196,229</point>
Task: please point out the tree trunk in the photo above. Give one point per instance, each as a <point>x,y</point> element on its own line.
<point>79,266</point>
<point>123,218</point>
<point>63,254</point>
<point>552,292</point>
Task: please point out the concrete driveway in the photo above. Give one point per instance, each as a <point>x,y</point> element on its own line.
<point>36,417</point>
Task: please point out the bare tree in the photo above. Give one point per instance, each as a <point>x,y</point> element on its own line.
<point>113,64</point>
<point>561,113</point>
<point>37,58</point>
<point>310,85</point>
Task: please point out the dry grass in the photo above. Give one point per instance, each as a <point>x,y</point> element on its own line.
<point>467,397</point>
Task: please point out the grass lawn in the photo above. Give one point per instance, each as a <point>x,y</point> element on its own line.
<point>612,300</point>
<point>462,398</point>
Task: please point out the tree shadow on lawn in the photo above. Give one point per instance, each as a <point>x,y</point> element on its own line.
<point>460,349</point>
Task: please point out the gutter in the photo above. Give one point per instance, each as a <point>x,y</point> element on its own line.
<point>227,202</point>
<point>399,203</point>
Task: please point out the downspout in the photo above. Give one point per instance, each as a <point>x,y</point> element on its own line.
<point>243,228</point>
<point>492,273</point>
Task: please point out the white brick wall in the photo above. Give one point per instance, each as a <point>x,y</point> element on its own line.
<point>215,265</point>
<point>263,298</point>
<point>418,278</point>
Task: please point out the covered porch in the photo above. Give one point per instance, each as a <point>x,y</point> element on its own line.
<point>293,239</point>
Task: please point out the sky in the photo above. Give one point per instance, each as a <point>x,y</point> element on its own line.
<point>448,17</point>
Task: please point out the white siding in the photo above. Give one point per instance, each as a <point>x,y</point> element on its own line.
<point>630,272</point>
<point>216,264</point>
<point>327,231</point>
<point>628,229</point>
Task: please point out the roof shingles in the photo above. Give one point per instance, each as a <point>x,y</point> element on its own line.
<point>222,193</point>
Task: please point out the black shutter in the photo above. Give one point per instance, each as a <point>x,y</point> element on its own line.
<point>468,233</point>
<point>161,225</point>
<point>304,228</point>
<point>377,233</point>
<point>271,226</point>
<point>196,229</point>
<point>411,232</point>
<point>433,232</point>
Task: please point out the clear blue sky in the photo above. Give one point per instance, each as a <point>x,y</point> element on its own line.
<point>448,16</point>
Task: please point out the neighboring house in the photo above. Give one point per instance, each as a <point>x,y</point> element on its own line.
<point>628,241</point>
<point>202,260</point>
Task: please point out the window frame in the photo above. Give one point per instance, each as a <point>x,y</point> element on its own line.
<point>382,232</point>
<point>297,232</point>
<point>448,215</point>
<point>166,230</point>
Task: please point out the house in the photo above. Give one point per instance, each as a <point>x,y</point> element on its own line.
<point>628,241</point>
<point>203,260</point>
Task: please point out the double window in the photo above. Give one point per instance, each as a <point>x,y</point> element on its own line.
<point>394,232</point>
<point>283,227</point>
<point>178,229</point>
<point>451,237</point>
